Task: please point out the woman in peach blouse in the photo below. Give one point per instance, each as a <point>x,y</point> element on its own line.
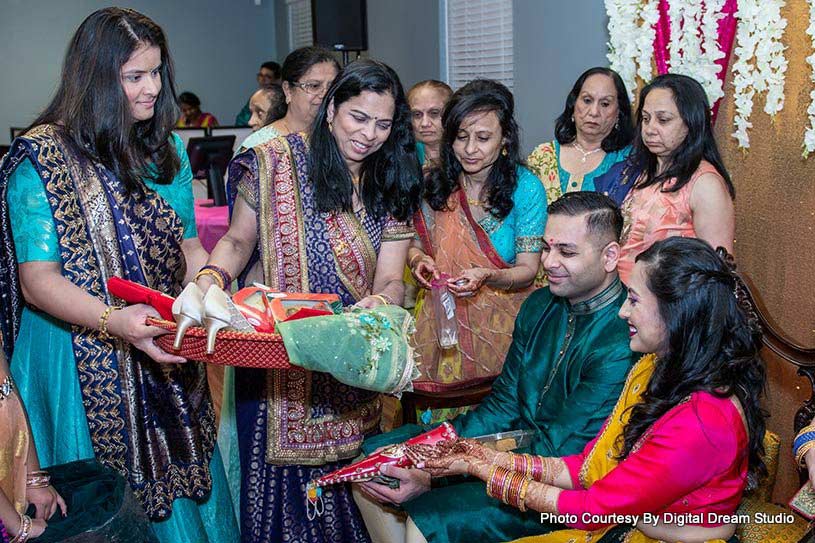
<point>683,188</point>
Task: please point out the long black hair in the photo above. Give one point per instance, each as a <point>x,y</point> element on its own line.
<point>713,339</point>
<point>693,106</point>
<point>479,95</point>
<point>90,106</point>
<point>623,131</point>
<point>390,178</point>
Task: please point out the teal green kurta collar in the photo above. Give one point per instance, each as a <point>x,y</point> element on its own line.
<point>596,303</point>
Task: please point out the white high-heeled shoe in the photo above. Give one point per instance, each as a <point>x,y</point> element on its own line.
<point>188,310</point>
<point>220,312</point>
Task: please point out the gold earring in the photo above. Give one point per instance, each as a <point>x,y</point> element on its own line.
<point>331,127</point>
<point>504,151</point>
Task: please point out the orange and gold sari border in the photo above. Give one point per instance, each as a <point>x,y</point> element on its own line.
<point>422,232</point>
<point>481,236</point>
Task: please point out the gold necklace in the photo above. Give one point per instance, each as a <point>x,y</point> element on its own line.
<point>584,152</point>
<point>472,201</point>
<point>355,192</point>
<point>286,125</point>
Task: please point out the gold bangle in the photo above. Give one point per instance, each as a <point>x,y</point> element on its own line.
<point>413,259</point>
<point>103,322</point>
<point>802,451</point>
<point>211,273</point>
<point>25,529</point>
<point>522,494</point>
<point>381,298</point>
<point>37,479</point>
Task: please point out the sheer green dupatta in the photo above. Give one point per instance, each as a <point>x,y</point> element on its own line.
<point>363,348</point>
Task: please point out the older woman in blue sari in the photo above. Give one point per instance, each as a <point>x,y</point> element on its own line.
<point>87,194</point>
<point>592,135</point>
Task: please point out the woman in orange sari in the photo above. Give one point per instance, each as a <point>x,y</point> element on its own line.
<point>481,224</point>
<point>685,438</point>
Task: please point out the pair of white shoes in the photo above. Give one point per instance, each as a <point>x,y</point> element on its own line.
<point>213,310</point>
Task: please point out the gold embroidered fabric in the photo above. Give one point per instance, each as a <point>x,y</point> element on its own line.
<point>14,443</point>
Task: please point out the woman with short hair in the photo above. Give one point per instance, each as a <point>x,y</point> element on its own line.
<point>307,73</point>
<point>427,100</point>
<point>592,134</point>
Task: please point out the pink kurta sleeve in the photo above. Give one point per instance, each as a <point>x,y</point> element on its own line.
<point>685,449</point>
<point>575,462</point>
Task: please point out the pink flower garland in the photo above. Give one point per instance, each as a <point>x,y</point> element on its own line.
<point>727,35</point>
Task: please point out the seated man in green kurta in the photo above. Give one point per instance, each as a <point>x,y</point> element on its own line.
<point>562,375</point>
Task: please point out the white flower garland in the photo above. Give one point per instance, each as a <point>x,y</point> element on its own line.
<point>646,33</point>
<point>631,39</point>
<point>694,47</point>
<point>809,134</point>
<point>759,33</point>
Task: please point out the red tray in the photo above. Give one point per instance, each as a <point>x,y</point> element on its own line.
<point>246,350</point>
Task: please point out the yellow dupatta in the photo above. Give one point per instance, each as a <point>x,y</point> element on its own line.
<point>603,458</point>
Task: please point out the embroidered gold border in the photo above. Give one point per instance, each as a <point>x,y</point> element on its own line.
<point>83,212</point>
<point>619,414</point>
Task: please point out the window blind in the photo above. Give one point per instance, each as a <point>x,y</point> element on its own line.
<point>479,41</point>
<point>299,14</point>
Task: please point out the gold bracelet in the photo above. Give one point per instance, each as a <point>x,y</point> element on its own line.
<point>25,529</point>
<point>37,479</point>
<point>211,273</point>
<point>522,494</point>
<point>103,322</point>
<point>801,453</point>
<point>381,298</point>
<point>413,259</point>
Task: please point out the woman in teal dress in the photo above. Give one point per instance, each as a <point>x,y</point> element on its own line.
<point>482,224</point>
<point>99,187</point>
<point>426,100</point>
<point>593,133</point>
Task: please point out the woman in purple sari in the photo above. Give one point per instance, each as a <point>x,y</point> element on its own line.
<point>323,213</point>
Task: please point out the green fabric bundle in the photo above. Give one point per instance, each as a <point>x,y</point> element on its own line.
<point>363,348</point>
